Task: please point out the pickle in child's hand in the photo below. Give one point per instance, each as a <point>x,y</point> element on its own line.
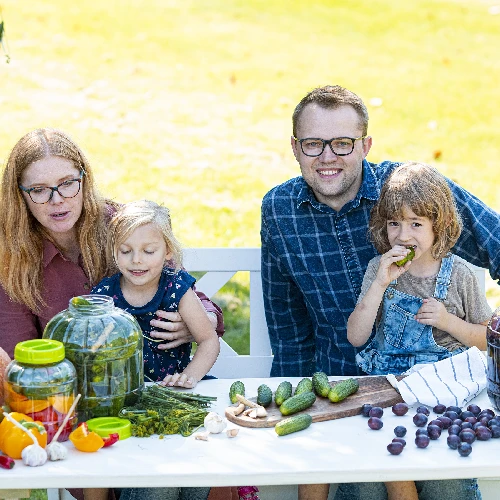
<point>408,257</point>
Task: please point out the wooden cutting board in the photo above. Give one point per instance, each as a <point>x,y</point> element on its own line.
<point>374,390</point>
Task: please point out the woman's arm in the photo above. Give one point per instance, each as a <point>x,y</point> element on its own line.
<point>17,323</point>
<point>204,334</point>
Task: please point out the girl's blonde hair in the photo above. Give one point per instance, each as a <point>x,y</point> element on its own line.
<point>423,190</point>
<point>136,214</point>
<point>22,236</point>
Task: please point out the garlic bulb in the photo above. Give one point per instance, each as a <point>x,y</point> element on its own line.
<point>214,423</point>
<point>34,455</point>
<point>56,451</point>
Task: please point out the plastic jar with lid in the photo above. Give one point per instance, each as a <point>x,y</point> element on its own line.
<point>493,359</point>
<point>41,383</point>
<point>104,343</point>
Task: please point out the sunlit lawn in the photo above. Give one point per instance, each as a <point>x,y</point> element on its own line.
<point>189,102</point>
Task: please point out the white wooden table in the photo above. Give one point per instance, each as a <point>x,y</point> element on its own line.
<point>343,450</point>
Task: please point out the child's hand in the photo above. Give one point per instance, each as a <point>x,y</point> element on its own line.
<point>432,312</point>
<point>387,268</point>
<point>179,380</point>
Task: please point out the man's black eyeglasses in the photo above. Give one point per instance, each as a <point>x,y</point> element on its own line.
<point>341,146</point>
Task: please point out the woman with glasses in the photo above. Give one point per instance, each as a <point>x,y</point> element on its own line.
<point>53,228</point>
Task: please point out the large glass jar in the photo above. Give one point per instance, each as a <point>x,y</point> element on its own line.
<point>493,376</point>
<point>104,343</point>
<point>41,383</point>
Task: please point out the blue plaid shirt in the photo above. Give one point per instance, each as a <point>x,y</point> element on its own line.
<point>314,260</point>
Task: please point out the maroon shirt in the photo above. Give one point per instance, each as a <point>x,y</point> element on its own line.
<point>63,279</point>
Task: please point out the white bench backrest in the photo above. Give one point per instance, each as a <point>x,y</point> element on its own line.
<point>220,265</point>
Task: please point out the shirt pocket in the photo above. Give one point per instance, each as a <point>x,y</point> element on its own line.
<point>401,330</point>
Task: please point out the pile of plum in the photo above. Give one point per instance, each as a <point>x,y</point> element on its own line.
<point>463,427</point>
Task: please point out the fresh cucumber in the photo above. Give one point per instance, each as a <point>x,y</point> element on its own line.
<point>320,384</point>
<point>343,389</point>
<point>237,387</point>
<point>305,385</point>
<point>293,424</point>
<point>264,395</point>
<point>283,392</point>
<point>297,403</point>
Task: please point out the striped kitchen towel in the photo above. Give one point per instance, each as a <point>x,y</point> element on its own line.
<point>452,382</point>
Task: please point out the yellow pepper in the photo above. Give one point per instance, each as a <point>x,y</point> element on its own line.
<point>14,440</point>
<point>85,440</point>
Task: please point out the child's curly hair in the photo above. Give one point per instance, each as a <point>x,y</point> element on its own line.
<point>423,190</point>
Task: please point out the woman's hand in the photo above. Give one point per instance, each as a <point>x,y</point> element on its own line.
<point>175,331</point>
<point>172,328</point>
<point>179,380</point>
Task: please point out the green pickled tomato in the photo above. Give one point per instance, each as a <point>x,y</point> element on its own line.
<point>408,257</point>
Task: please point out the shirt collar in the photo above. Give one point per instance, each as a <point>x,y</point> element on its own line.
<point>369,189</point>
<point>50,251</point>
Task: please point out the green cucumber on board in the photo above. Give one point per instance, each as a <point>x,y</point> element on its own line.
<point>305,385</point>
<point>343,389</point>
<point>297,403</point>
<point>320,383</point>
<point>264,395</point>
<point>237,387</point>
<point>283,392</point>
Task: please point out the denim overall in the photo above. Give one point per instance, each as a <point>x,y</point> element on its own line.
<point>400,341</point>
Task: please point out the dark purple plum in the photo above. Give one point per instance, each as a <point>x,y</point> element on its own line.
<point>446,421</point>
<point>456,409</point>
<point>466,414</point>
<point>376,411</point>
<point>365,409</point>
<point>375,423</point>
<point>437,422</point>
<point>474,409</point>
<point>419,419</point>
<point>454,429</point>
<point>487,412</point>
<point>464,449</point>
<point>451,414</point>
<point>421,430</point>
<point>483,433</point>
<point>422,441</point>
<point>495,431</point>
<point>484,420</point>
<point>466,425</point>
<point>453,441</point>
<point>467,436</point>
<point>399,440</point>
<point>400,409</point>
<point>395,448</point>
<point>400,431</point>
<point>457,421</point>
<point>439,409</point>
<point>424,410</point>
<point>472,420</point>
<point>434,431</point>
<point>494,421</point>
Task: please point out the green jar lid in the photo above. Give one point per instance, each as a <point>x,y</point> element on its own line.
<point>39,351</point>
<point>104,426</point>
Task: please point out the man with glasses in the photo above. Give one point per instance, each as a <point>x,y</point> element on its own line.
<point>315,244</point>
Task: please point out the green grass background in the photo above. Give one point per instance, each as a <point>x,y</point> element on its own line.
<point>189,102</point>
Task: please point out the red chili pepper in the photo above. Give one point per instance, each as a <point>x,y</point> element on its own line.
<point>6,462</point>
<point>111,439</point>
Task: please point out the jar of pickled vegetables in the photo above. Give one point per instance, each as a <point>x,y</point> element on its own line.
<point>41,383</point>
<point>493,356</point>
<point>104,343</point>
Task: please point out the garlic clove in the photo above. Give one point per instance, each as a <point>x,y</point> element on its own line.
<point>56,451</point>
<point>231,433</point>
<point>202,436</point>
